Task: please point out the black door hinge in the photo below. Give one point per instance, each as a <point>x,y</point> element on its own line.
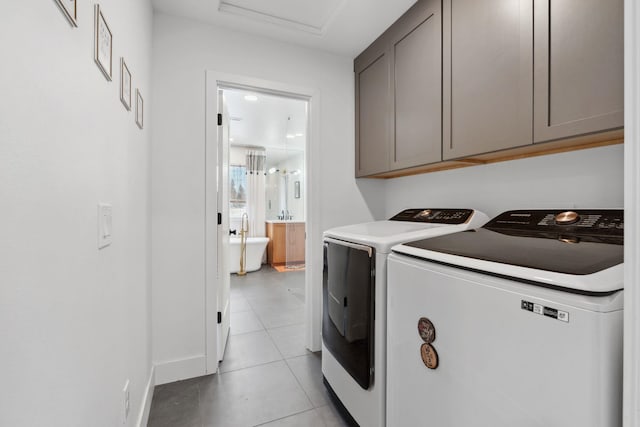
<point>219,317</point>
<point>219,119</point>
<point>219,218</point>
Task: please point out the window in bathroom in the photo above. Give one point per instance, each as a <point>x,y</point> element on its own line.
<point>237,190</point>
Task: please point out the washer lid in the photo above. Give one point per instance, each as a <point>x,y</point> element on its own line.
<point>535,250</point>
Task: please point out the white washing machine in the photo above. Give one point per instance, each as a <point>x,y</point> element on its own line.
<point>354,302</point>
<point>518,323</point>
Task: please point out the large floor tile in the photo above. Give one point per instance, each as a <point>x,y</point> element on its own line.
<point>307,419</point>
<point>244,321</point>
<point>239,303</point>
<point>308,371</point>
<point>250,349</point>
<point>252,396</point>
<point>331,416</point>
<point>290,340</point>
<point>272,317</point>
<point>282,300</point>
<point>175,404</point>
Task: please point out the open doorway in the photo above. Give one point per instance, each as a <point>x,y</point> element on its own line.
<point>261,252</point>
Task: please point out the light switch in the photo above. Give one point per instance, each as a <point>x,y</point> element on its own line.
<point>104,224</point>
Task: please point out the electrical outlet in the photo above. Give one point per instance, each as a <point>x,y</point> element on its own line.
<point>126,402</point>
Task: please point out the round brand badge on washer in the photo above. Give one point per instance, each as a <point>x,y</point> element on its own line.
<point>426,330</point>
<point>429,356</point>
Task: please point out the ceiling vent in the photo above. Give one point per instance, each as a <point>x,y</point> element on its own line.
<point>310,16</point>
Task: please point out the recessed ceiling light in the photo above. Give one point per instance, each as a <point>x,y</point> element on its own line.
<point>250,98</point>
<point>299,134</point>
<point>230,139</point>
<point>289,136</point>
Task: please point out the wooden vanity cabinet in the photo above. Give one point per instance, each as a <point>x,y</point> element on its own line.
<point>286,243</point>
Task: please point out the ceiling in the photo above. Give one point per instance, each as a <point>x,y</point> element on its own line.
<point>343,27</point>
<point>279,124</point>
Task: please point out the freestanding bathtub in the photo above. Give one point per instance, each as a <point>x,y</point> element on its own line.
<point>255,252</point>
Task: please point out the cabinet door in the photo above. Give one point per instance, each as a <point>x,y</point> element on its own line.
<point>417,78</point>
<point>373,113</point>
<point>295,242</point>
<point>487,75</point>
<point>579,57</point>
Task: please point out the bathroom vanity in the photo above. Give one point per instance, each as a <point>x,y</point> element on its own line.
<point>286,242</point>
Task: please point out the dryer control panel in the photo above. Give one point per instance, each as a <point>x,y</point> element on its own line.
<point>435,216</point>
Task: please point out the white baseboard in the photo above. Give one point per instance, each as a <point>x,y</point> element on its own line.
<point>182,369</point>
<point>143,417</point>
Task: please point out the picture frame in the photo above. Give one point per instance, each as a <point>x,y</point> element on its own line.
<point>70,10</point>
<point>296,189</point>
<point>139,109</point>
<point>103,44</point>
<point>125,84</point>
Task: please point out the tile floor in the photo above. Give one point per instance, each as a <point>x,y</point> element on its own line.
<point>267,377</point>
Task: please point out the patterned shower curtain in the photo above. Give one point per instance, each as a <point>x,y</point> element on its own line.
<point>256,192</point>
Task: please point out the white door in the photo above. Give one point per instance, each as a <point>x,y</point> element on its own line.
<point>224,282</point>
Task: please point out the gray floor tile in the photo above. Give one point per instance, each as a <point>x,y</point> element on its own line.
<point>175,404</point>
<point>308,371</point>
<point>272,317</point>
<point>289,340</point>
<point>283,301</point>
<point>250,349</point>
<point>307,419</point>
<point>252,396</point>
<point>239,303</point>
<point>331,416</point>
<point>244,321</point>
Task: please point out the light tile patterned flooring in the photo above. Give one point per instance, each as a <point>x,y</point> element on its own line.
<point>267,377</point>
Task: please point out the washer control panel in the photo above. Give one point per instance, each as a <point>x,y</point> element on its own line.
<point>436,216</point>
<point>599,222</point>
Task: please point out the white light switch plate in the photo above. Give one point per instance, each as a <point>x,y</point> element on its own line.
<point>104,224</point>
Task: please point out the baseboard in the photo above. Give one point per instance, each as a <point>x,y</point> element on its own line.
<point>143,418</point>
<point>182,369</point>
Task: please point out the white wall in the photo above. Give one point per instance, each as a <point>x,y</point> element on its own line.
<point>582,179</point>
<point>182,51</point>
<point>74,320</point>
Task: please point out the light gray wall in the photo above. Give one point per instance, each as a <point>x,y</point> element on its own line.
<point>183,50</point>
<point>582,179</point>
<point>74,320</point>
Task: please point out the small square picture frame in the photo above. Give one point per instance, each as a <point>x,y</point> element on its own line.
<point>103,44</point>
<point>139,109</point>
<point>125,84</point>
<point>70,10</point>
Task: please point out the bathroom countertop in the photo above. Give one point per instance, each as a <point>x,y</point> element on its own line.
<point>283,221</point>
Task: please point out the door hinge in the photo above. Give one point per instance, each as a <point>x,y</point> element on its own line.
<point>219,119</point>
<point>219,218</point>
<point>219,317</point>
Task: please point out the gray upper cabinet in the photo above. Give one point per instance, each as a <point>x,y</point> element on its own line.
<point>416,56</point>
<point>398,94</point>
<point>487,76</point>
<point>579,64</point>
<point>373,110</point>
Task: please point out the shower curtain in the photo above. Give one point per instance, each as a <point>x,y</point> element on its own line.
<point>256,192</point>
